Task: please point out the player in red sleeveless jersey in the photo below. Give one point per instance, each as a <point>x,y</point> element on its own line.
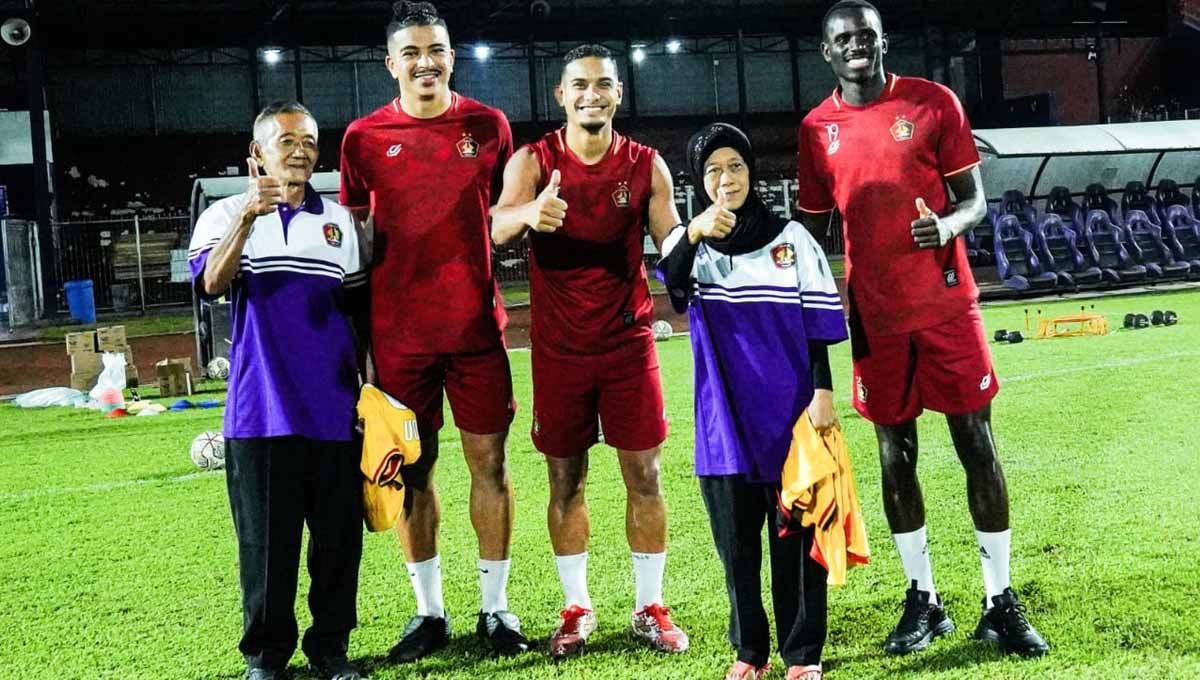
<point>427,167</point>
<point>881,149</point>
<point>585,196</point>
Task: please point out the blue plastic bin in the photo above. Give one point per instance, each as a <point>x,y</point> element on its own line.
<point>81,300</point>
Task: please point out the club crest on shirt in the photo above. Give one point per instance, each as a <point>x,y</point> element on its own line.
<point>951,277</point>
<point>620,195</point>
<point>902,130</point>
<point>394,150</point>
<point>784,256</point>
<point>834,141</point>
<point>333,234</point>
<point>467,146</point>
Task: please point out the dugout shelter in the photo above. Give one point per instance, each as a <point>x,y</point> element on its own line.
<point>1039,180</point>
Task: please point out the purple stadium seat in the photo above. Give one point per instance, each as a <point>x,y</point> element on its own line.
<point>1196,198</point>
<point>1184,235</point>
<point>1095,197</point>
<point>1105,247</point>
<point>1056,245</point>
<point>1060,203</point>
<point>1149,248</point>
<point>1137,198</point>
<point>1167,195</point>
<point>979,239</point>
<point>1016,263</point>
<point>1013,202</point>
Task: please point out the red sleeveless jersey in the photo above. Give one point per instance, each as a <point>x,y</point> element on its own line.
<point>588,290</point>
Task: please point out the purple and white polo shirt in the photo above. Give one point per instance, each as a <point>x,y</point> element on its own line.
<point>292,363</point>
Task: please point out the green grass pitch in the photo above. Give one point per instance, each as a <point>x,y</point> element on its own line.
<point>118,559</point>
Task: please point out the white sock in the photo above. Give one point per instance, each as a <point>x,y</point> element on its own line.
<point>647,578</point>
<point>994,554</point>
<point>426,580</point>
<point>914,555</point>
<point>572,572</point>
<point>493,585</point>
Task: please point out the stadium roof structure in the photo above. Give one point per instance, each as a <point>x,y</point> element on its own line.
<point>1036,159</point>
<point>90,24</point>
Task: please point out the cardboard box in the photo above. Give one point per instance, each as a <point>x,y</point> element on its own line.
<point>81,342</point>
<point>174,376</point>
<point>111,339</point>
<point>86,362</point>
<point>84,381</point>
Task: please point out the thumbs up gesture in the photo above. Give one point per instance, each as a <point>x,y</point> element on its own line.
<point>928,230</point>
<point>263,192</point>
<point>716,222</point>
<point>547,211</point>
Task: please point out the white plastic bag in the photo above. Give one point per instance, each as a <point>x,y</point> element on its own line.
<point>49,396</point>
<point>110,386</point>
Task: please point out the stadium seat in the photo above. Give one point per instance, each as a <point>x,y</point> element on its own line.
<point>1016,263</point>
<point>1150,249</point>
<point>1013,203</point>
<point>979,240</point>
<point>1137,198</point>
<point>1196,198</point>
<point>985,231</point>
<point>975,255</point>
<point>1055,244</point>
<point>1095,197</point>
<point>1168,194</point>
<point>1060,203</point>
<point>1104,245</point>
<point>1183,232</point>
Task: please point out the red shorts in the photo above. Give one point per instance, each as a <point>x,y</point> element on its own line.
<point>945,368</point>
<point>478,385</point>
<point>574,397</point>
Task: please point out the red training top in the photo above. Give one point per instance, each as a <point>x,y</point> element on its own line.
<point>430,183</point>
<point>871,163</point>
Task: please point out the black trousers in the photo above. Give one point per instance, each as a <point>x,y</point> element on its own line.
<point>737,511</point>
<point>276,486</point>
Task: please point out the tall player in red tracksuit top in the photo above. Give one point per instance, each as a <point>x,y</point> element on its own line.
<point>585,196</point>
<point>881,149</point>
<point>427,167</point>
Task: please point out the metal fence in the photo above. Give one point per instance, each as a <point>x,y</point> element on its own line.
<point>134,263</point>
<point>139,262</point>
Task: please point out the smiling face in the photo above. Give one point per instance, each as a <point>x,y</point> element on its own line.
<point>285,145</point>
<point>854,45</point>
<point>589,92</point>
<point>421,61</point>
<point>726,172</point>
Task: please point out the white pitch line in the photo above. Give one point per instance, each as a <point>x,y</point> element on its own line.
<point>98,488</point>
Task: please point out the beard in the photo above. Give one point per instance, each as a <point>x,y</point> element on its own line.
<point>593,128</point>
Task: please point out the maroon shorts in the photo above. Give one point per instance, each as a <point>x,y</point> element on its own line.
<point>945,368</point>
<point>619,392</point>
<point>478,385</point>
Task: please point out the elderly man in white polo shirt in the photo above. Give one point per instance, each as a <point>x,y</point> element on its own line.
<point>286,258</point>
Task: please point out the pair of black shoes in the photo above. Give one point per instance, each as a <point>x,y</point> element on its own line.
<point>1004,624</point>
<point>426,634</point>
<point>329,668</point>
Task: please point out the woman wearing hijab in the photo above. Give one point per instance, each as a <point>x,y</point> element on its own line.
<point>762,307</point>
